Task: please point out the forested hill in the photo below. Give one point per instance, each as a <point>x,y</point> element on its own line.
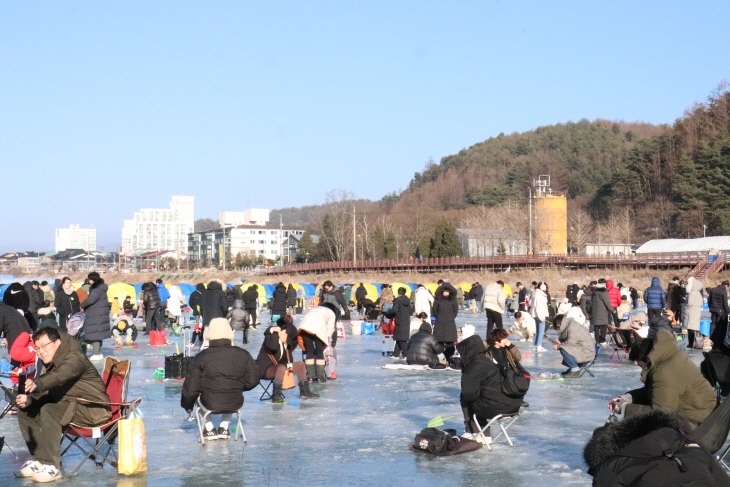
<point>579,157</point>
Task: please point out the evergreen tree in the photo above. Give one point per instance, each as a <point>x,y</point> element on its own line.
<point>445,242</point>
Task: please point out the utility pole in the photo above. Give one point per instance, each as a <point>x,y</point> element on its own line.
<point>529,250</point>
<point>354,239</point>
<point>281,242</point>
<point>223,249</point>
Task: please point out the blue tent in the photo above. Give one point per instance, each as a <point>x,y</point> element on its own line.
<point>412,286</point>
<point>137,290</point>
<point>309,290</point>
<point>2,290</point>
<point>269,288</point>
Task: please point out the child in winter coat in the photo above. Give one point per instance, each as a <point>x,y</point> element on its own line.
<point>123,326</point>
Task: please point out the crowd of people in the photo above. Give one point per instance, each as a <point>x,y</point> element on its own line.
<point>34,319</point>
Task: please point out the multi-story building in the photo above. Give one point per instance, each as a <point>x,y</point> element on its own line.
<point>251,216</point>
<point>75,237</point>
<point>163,229</point>
<point>248,240</point>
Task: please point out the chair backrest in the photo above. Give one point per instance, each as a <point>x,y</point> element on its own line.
<point>116,380</point>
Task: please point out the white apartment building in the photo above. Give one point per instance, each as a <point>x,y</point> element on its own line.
<point>252,240</point>
<point>160,229</point>
<point>251,216</point>
<point>75,237</point>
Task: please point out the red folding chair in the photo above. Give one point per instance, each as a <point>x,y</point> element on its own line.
<point>616,341</point>
<point>100,440</point>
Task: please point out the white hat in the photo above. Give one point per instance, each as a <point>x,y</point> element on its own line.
<point>218,329</point>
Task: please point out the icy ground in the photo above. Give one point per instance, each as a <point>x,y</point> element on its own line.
<point>358,433</point>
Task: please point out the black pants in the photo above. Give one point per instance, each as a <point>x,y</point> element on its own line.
<point>493,318</point>
<point>252,312</point>
<point>449,349</point>
<point>715,319</point>
<point>600,333</point>
<point>523,307</point>
<point>401,346</point>
<point>616,322</point>
<point>654,312</point>
<point>313,346</point>
<point>153,320</point>
<point>635,303</point>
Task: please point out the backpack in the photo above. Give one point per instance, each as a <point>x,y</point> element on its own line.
<point>513,384</point>
<point>435,441</point>
<point>75,325</point>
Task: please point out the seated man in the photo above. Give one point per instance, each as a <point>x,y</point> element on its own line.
<point>661,322</point>
<point>481,388</point>
<point>671,380</point>
<point>423,347</point>
<point>575,344</point>
<point>524,325</point>
<point>219,375</point>
<point>50,402</point>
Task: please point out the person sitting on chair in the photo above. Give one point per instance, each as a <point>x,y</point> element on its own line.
<point>218,376</point>
<point>481,388</point>
<point>574,343</point>
<point>275,357</point>
<point>423,348</point>
<point>50,402</point>
<point>671,380</point>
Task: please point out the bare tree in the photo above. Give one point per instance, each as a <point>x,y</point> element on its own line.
<point>580,229</point>
<point>334,224</point>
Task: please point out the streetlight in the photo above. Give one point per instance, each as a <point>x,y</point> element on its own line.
<point>704,230</point>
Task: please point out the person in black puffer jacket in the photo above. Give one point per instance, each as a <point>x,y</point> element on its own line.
<point>17,298</point>
<point>279,300</point>
<point>238,318</point>
<point>275,357</point>
<point>196,299</point>
<point>12,325</point>
<point>649,450</point>
<point>445,309</point>
<point>250,300</point>
<point>423,348</point>
<point>215,302</point>
<point>96,308</point>
<point>481,386</point>
<point>219,375</point>
<point>291,298</point>
<point>403,311</point>
<point>151,304</point>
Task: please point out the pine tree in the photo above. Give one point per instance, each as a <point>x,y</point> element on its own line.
<point>445,242</point>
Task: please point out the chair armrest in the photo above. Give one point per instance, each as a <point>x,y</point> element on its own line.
<point>122,404</point>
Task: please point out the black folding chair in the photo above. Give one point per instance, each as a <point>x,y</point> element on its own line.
<point>267,394</point>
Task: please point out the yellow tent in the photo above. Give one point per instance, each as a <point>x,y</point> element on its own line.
<point>464,286</point>
<point>372,294</point>
<point>297,287</point>
<point>120,291</point>
<point>261,290</point>
<point>507,290</point>
<point>397,285</point>
<point>432,286</point>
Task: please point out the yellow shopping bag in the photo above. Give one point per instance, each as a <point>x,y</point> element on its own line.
<point>132,445</point>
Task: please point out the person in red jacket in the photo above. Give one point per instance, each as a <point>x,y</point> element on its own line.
<point>23,351</point>
<point>614,295</point>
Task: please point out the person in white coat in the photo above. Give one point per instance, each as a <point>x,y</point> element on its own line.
<point>539,307</point>
<point>175,302</point>
<point>423,301</point>
<point>316,329</point>
<point>494,302</point>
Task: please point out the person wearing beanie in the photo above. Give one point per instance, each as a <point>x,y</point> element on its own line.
<point>219,375</point>
<point>17,298</point>
<point>96,308</point>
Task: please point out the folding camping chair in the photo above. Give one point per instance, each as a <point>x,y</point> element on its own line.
<point>585,367</point>
<point>116,378</point>
<point>10,394</point>
<point>509,418</point>
<point>266,395</point>
<point>616,341</point>
<point>202,415</point>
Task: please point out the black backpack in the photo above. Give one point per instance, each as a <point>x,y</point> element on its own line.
<point>513,384</point>
<point>434,440</point>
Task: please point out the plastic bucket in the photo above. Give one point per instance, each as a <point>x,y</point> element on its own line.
<point>356,327</point>
<point>159,374</point>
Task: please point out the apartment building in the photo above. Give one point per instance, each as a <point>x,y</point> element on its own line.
<point>75,237</point>
<point>160,229</point>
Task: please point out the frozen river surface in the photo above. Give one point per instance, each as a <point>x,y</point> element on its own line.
<point>359,431</point>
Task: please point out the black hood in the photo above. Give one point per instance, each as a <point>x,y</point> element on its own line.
<point>637,436</point>
<point>16,297</point>
<point>215,285</point>
<point>97,283</point>
<point>426,326</point>
<point>149,286</point>
<point>281,288</point>
<point>471,348</point>
<point>446,287</point>
<point>200,287</point>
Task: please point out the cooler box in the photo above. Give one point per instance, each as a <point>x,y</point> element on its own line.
<point>387,345</point>
<point>705,327</point>
<point>356,327</point>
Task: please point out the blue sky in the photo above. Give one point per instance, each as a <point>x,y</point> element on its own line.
<point>109,107</point>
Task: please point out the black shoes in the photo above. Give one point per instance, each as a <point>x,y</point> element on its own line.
<point>223,433</point>
<point>305,392</point>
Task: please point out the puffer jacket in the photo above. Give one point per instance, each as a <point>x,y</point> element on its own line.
<point>196,298</point>
<point>601,309</point>
<point>163,292</point>
<point>151,299</point>
<point>672,381</point>
<point>249,298</point>
<point>34,297</point>
<point>585,302</point>
<point>654,296</point>
<point>423,348</point>
<point>12,324</point>
<point>321,322</point>
<point>717,300</point>
<point>237,316</point>
<point>66,305</point>
<point>96,308</point>
<point>507,357</point>
<point>403,311</point>
<point>657,324</point>
<point>539,305</point>
<point>445,310</point>
<point>633,453</point>
<point>576,341</point>
<point>219,375</point>
<point>291,296</point>
<point>335,297</point>
<point>70,375</point>
<point>477,292</point>
<point>481,382</point>
<point>614,294</point>
<point>279,301</point>
<point>360,293</point>
<point>494,298</point>
<point>215,303</point>
<point>48,294</point>
<point>272,347</point>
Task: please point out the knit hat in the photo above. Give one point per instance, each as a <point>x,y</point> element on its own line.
<point>218,329</point>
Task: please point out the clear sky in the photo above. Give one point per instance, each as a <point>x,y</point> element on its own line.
<point>109,107</point>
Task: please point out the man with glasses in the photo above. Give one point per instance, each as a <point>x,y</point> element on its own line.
<point>50,402</point>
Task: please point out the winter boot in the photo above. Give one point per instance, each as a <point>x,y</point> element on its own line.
<point>310,372</point>
<point>245,335</point>
<point>277,396</point>
<point>321,375</point>
<point>305,392</point>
